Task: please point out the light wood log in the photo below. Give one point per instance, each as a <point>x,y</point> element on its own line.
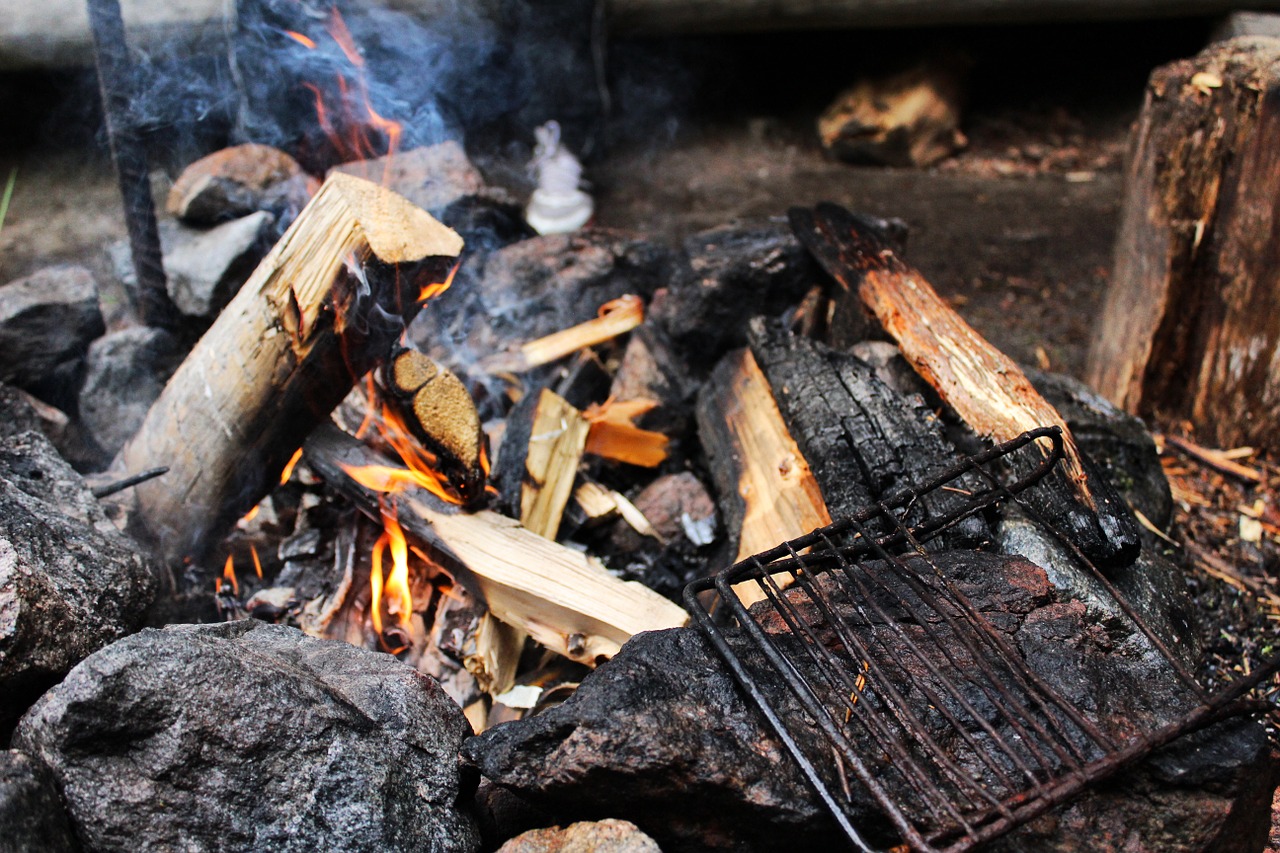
<point>1191,325</point>
<point>565,600</point>
<point>759,471</point>
<point>281,356</point>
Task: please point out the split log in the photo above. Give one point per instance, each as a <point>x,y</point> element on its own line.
<point>1191,326</point>
<point>556,436</point>
<point>866,440</point>
<point>767,489</point>
<point>562,598</point>
<point>279,358</point>
<point>982,385</point>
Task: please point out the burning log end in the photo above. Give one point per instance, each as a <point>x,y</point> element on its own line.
<point>282,355</point>
<point>440,413</point>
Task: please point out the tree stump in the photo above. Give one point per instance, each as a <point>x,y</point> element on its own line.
<point>1191,327</point>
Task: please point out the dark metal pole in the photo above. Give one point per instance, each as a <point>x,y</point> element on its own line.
<point>115,81</point>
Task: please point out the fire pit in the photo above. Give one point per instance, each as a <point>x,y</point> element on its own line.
<point>393,501</point>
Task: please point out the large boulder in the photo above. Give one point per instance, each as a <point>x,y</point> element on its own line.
<point>247,736</point>
<point>70,583</point>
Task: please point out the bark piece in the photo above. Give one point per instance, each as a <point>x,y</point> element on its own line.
<point>982,385</point>
<point>282,355</point>
<point>245,735</point>
<point>31,810</point>
<point>70,583</point>
<point>46,322</point>
<point>867,441</point>
<point>562,598</point>
<point>239,181</point>
<point>1191,326</point>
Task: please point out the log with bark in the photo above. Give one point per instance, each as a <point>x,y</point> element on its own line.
<point>562,598</point>
<point>1191,326</point>
<point>983,386</point>
<point>322,307</point>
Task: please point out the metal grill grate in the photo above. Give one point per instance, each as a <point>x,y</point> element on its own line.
<point>898,688</point>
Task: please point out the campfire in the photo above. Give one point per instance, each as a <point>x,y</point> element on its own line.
<point>444,526</point>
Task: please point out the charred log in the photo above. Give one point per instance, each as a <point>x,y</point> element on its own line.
<point>985,389</point>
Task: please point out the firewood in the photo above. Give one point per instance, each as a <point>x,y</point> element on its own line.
<point>763,479</point>
<point>982,385</point>
<point>1191,325</point>
<point>616,317</point>
<point>614,435</point>
<point>281,356</point>
<point>563,599</point>
<point>557,436</point>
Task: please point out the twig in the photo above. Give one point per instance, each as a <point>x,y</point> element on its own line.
<point>8,195</point>
<point>1218,460</point>
<point>128,482</point>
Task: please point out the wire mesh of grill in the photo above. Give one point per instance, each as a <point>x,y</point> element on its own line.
<point>895,694</point>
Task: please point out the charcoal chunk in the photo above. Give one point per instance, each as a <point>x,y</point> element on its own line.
<point>251,736</point>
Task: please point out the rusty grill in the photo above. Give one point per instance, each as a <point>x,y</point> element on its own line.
<point>896,695</point>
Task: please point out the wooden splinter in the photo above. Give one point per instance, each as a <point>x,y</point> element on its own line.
<point>285,351</point>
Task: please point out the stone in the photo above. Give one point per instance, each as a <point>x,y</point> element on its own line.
<point>70,583</point>
<point>31,809</point>
<point>661,736</point>
<point>239,181</point>
<point>126,372</point>
<point>605,836</point>
<point>46,323</point>
<point>432,177</point>
<point>244,735</point>
<point>206,269</point>
<point>731,274</point>
<point>1118,443</point>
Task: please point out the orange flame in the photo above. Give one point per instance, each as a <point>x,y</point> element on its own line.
<point>252,514</point>
<point>422,470</point>
<point>438,287</point>
<point>362,142</point>
<point>396,584</point>
<point>229,576</point>
<point>301,39</point>
<point>257,564</point>
<point>289,466</point>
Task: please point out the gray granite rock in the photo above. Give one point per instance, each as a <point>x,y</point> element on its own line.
<point>46,323</point>
<point>126,372</point>
<point>247,736</point>
<point>70,583</point>
<point>205,269</point>
<point>31,814</point>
